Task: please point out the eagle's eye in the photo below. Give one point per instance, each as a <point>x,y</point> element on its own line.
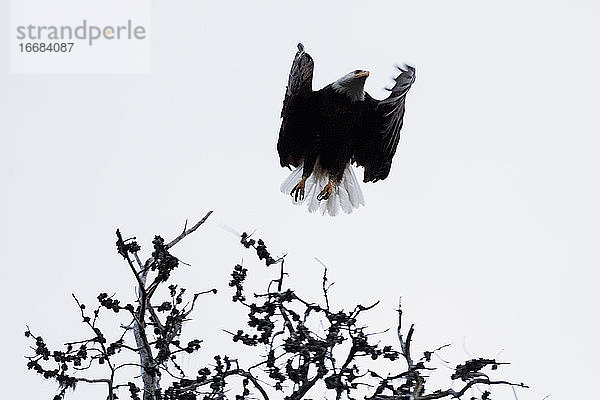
<point>357,71</point>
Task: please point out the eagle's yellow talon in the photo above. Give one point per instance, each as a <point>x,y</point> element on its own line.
<point>326,192</point>
<point>298,191</point>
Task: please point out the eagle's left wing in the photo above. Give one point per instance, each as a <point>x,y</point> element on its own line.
<point>383,122</point>
<point>295,133</point>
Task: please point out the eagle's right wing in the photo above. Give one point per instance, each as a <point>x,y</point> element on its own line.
<point>383,121</point>
<point>295,133</point>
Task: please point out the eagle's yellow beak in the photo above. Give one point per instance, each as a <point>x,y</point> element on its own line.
<point>361,74</point>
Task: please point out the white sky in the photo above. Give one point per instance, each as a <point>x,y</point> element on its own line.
<point>487,225</point>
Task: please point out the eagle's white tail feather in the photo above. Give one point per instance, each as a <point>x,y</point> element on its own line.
<point>347,196</point>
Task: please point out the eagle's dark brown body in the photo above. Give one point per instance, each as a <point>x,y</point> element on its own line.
<point>331,129</point>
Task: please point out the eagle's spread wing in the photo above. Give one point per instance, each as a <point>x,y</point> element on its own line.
<point>295,133</point>
<point>383,122</point>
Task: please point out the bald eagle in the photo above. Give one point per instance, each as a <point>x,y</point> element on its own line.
<point>324,131</point>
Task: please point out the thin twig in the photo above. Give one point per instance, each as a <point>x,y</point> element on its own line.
<point>188,231</point>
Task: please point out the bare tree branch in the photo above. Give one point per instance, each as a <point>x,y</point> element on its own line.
<point>188,231</point>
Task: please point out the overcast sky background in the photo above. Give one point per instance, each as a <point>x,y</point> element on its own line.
<point>488,224</point>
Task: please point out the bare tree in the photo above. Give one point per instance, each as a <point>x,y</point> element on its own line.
<point>303,348</point>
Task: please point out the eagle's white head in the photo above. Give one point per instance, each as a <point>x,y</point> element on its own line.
<point>352,85</point>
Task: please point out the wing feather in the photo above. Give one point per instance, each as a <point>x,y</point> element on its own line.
<point>294,135</point>
<point>383,123</point>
